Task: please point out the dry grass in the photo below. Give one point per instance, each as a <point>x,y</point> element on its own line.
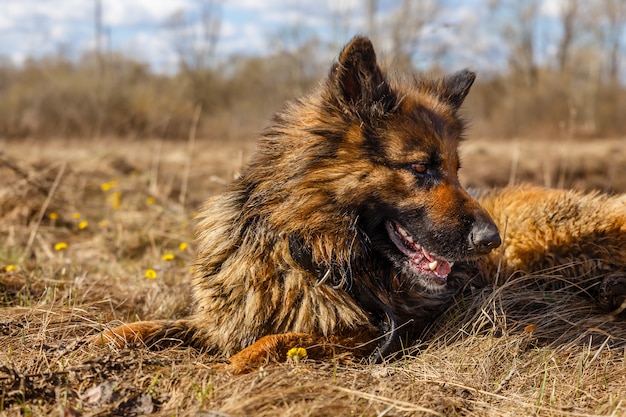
<point>511,350</point>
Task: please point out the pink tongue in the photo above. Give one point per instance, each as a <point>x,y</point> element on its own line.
<point>443,267</point>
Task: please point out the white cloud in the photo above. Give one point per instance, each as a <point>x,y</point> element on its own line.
<point>241,38</point>
<point>39,27</point>
<point>122,12</point>
<point>261,6</point>
<point>156,50</point>
<point>551,8</point>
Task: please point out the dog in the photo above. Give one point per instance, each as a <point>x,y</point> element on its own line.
<point>350,231</point>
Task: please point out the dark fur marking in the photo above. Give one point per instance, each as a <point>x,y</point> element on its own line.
<point>380,311</point>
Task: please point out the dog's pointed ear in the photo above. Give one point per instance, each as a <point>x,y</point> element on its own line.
<point>453,89</point>
<point>356,79</point>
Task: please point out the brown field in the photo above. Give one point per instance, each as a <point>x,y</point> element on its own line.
<point>511,350</point>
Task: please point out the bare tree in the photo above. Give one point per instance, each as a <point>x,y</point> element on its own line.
<point>341,23</point>
<point>98,26</point>
<point>195,38</point>
<point>407,28</point>
<point>615,17</point>
<point>372,6</point>
<point>569,16</point>
<point>520,32</point>
<point>297,49</point>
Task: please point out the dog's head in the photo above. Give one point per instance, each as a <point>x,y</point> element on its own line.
<point>399,162</point>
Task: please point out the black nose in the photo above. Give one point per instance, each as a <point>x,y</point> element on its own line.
<point>484,237</point>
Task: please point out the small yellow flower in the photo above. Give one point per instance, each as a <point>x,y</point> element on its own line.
<point>151,273</point>
<point>183,246</point>
<point>115,199</point>
<point>53,216</point>
<point>296,354</point>
<point>83,225</point>
<point>60,246</point>
<point>150,200</point>
<point>76,215</point>
<point>109,185</point>
<point>9,268</point>
<point>103,223</point>
<point>168,257</point>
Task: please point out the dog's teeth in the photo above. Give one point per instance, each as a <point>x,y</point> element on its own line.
<point>406,235</point>
<point>433,265</point>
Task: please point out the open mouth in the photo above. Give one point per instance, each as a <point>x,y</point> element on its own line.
<point>420,261</point>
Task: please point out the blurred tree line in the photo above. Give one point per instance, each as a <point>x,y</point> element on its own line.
<point>569,85</point>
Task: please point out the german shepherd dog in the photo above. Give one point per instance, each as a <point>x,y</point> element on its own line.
<point>349,224</point>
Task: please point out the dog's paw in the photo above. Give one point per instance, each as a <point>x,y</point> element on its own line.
<point>266,349</point>
<point>612,292</point>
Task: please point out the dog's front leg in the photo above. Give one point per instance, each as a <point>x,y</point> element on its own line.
<point>274,348</point>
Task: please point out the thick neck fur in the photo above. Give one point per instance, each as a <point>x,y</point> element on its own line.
<point>296,186</point>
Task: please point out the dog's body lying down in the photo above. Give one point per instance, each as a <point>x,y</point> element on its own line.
<point>349,228</point>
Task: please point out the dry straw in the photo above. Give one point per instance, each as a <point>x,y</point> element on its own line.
<point>515,348</point>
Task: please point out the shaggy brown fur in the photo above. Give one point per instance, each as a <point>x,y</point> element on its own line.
<point>345,227</point>
<point>573,238</point>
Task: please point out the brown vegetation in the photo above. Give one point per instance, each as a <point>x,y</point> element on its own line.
<point>510,350</point>
<point>56,97</point>
<point>119,97</point>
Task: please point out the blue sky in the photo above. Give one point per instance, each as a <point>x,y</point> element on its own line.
<point>138,28</point>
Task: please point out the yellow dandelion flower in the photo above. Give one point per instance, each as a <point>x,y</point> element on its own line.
<point>106,186</point>
<point>9,268</point>
<point>168,257</point>
<point>59,246</point>
<point>151,273</point>
<point>53,216</point>
<point>83,225</point>
<point>76,215</point>
<point>150,200</point>
<point>114,199</point>
<point>296,354</point>
<point>183,246</point>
